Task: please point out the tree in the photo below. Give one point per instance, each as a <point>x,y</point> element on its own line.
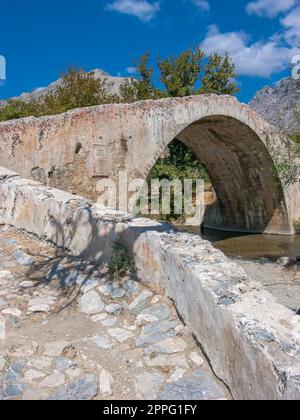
<point>219,76</point>
<point>179,75</point>
<point>141,88</point>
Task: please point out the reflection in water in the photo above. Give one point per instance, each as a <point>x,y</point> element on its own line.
<point>250,246</point>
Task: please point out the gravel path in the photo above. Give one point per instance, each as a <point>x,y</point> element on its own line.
<point>67,332</point>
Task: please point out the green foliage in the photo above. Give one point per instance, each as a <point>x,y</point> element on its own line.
<point>191,73</point>
<point>179,75</point>
<point>297,225</point>
<point>120,263</point>
<point>181,163</point>
<point>219,76</point>
<point>76,90</point>
<point>296,139</point>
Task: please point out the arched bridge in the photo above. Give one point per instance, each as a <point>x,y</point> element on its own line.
<point>251,164</point>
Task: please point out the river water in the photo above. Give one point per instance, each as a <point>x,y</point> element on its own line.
<point>251,247</point>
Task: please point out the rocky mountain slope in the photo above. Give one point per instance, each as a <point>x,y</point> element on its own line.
<point>113,85</point>
<point>277,104</point>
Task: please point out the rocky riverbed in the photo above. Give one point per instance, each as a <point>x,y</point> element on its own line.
<point>67,332</point>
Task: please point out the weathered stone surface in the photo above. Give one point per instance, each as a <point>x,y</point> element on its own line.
<point>114,309</point>
<point>12,311</point>
<point>63,363</point>
<point>91,304</point>
<point>53,381</point>
<point>85,388</point>
<point>22,258</point>
<point>140,303</point>
<point>169,346</point>
<point>197,359</point>
<point>2,363</point>
<point>197,386</point>
<point>163,360</point>
<point>156,332</point>
<point>120,334</point>
<point>55,349</point>
<point>112,289</point>
<point>2,329</point>
<point>195,276</point>
<point>254,141</point>
<point>32,375</point>
<point>148,385</point>
<point>105,383</point>
<point>101,341</point>
<point>157,312</point>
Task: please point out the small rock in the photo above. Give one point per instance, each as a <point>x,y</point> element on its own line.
<point>163,360</point>
<point>12,312</point>
<point>2,329</point>
<point>112,289</point>
<point>197,386</point>
<point>3,304</point>
<point>140,303</point>
<point>114,309</point>
<point>84,389</point>
<point>63,363</point>
<point>26,349</point>
<point>99,317</point>
<point>55,349</point>
<point>53,381</point>
<point>22,258</point>
<point>40,363</point>
<point>157,312</point>
<point>105,383</point>
<point>148,385</point>
<point>32,375</point>
<point>286,261</point>
<point>197,359</point>
<point>101,341</point>
<point>2,363</point>
<point>32,395</point>
<point>73,373</point>
<point>178,374</point>
<point>169,346</point>
<point>91,304</point>
<point>132,287</point>
<point>156,332</point>
<point>86,285</point>
<point>109,322</point>
<point>120,334</point>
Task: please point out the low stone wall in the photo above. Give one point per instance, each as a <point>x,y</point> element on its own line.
<point>252,342</point>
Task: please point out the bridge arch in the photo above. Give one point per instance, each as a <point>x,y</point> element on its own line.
<point>238,148</point>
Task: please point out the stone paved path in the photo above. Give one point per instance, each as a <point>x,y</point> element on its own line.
<point>67,332</point>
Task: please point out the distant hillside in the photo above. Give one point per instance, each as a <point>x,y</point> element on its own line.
<point>113,85</point>
<point>277,104</point>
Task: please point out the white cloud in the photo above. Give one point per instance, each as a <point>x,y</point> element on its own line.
<point>270,8</point>
<point>142,9</point>
<point>203,5</point>
<point>292,25</point>
<point>260,59</point>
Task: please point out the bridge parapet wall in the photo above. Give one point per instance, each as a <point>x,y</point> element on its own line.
<point>251,341</point>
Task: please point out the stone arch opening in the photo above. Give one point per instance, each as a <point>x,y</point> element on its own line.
<point>250,196</point>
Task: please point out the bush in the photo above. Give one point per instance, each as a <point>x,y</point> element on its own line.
<point>120,263</point>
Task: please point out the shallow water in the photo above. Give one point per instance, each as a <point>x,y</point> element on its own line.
<point>249,246</point>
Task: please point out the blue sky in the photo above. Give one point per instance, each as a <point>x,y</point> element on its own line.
<point>39,39</point>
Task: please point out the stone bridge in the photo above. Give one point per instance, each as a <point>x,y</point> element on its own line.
<point>250,163</point>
